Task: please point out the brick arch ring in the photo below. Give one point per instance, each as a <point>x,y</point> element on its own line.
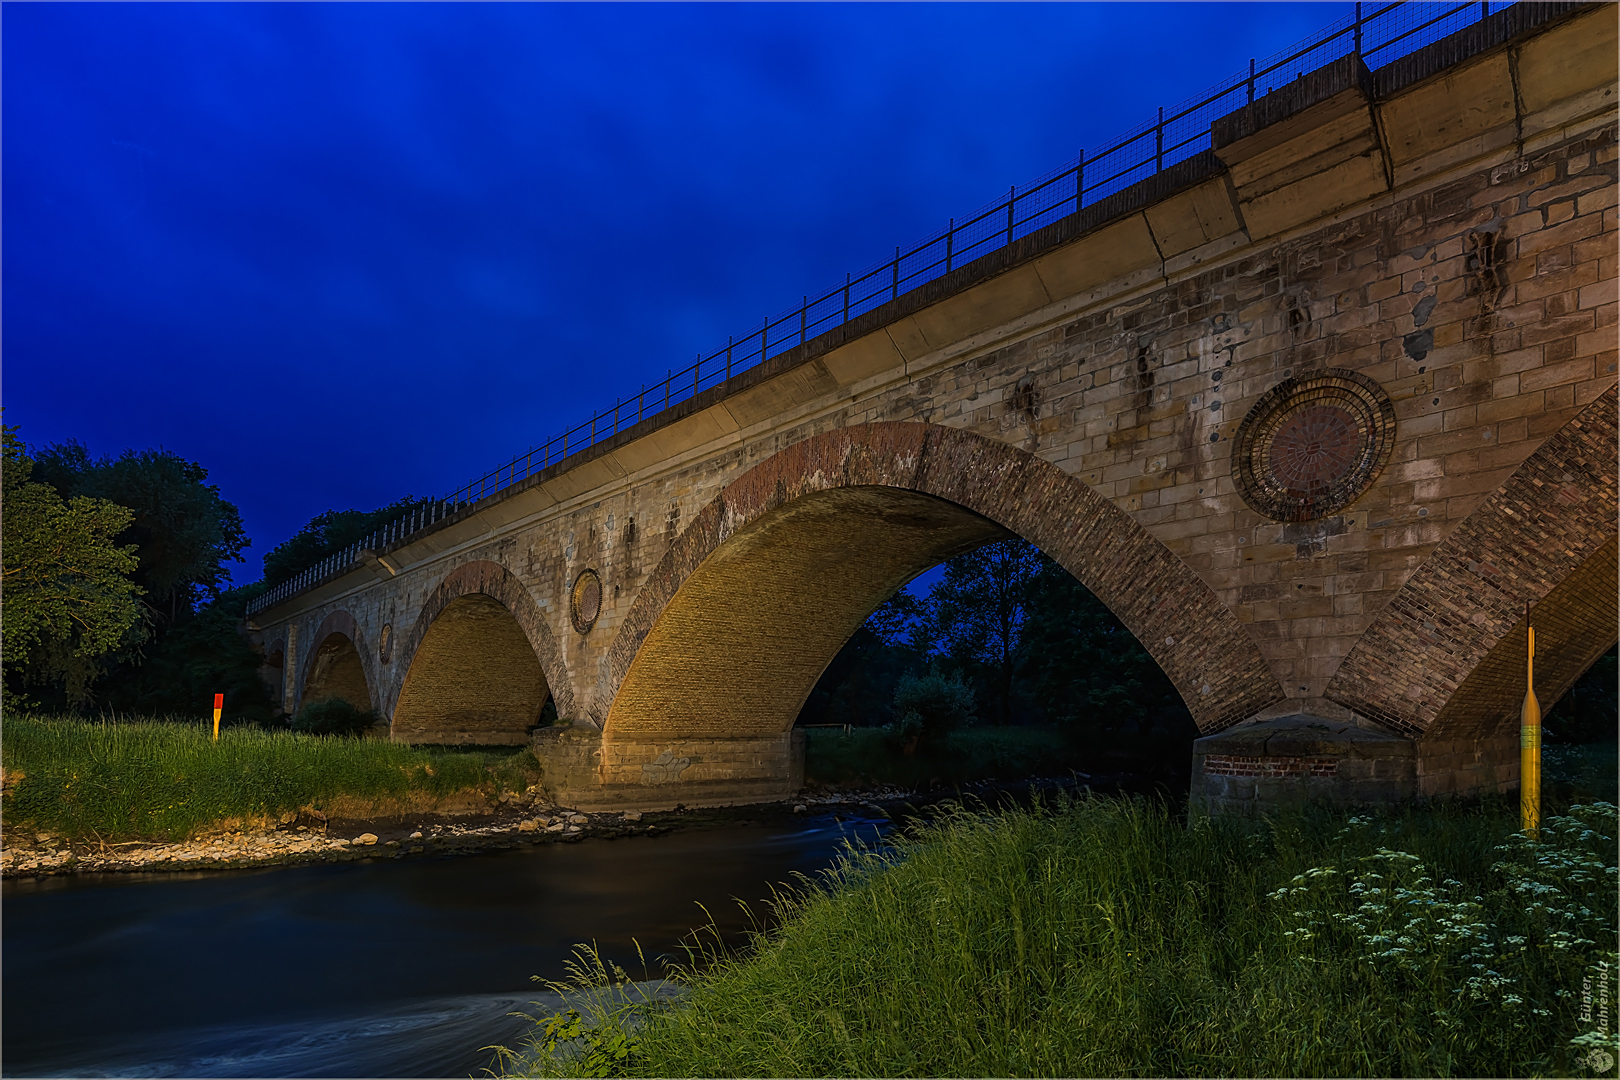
<point>1195,639</point>
<point>339,622</point>
<point>493,580</point>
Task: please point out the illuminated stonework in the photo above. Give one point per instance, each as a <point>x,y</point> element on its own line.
<point>1312,445</point>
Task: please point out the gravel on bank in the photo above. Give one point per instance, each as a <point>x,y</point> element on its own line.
<point>307,839</point>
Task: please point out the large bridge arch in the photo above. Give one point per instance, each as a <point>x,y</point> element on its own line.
<point>772,576</point>
<point>1546,536</point>
<point>338,664</point>
<point>479,663</point>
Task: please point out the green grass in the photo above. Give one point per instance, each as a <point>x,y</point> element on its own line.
<point>863,757</point>
<point>155,780</point>
<point>1103,937</point>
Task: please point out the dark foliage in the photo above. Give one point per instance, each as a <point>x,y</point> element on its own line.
<point>929,706</point>
<point>1034,645</point>
<point>333,716</point>
<point>977,619</point>
<point>185,534</point>
<point>328,533</point>
<point>1093,678</point>
<point>1590,712</point>
<point>858,686</point>
<point>185,537</point>
<point>205,653</point>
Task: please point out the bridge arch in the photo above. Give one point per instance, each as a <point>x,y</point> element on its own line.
<point>479,663</point>
<point>732,629</point>
<point>338,664</point>
<point>1547,536</point>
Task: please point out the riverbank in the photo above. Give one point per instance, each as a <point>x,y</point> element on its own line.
<point>313,837</point>
<point>1105,937</point>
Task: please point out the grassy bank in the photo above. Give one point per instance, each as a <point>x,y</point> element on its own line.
<point>871,756</point>
<point>168,780</point>
<point>1103,937</point>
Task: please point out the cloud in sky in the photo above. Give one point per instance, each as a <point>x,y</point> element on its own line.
<point>338,253</point>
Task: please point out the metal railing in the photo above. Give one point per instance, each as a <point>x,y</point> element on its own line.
<point>1382,33</point>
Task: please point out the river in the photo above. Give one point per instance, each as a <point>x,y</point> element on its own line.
<point>388,967</point>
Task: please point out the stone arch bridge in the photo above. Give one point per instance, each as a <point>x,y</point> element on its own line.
<point>1315,413</point>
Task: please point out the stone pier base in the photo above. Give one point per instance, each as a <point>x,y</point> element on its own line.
<point>581,769</point>
<point>1302,757</point>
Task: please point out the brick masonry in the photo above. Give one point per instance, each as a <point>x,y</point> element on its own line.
<point>1084,389</point>
<point>1270,767</point>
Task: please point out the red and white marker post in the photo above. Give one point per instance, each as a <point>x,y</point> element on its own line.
<point>219,705</point>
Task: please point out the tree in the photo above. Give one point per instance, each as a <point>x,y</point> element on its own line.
<point>858,685</point>
<point>1587,713</point>
<point>1086,669</point>
<point>328,533</point>
<point>68,588</point>
<point>205,653</point>
<point>186,535</point>
<point>928,707</point>
<point>978,613</point>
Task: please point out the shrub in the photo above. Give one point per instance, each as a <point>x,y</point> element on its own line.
<point>332,716</point>
<point>927,707</point>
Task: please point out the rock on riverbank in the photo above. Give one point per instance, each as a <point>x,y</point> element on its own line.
<point>39,854</point>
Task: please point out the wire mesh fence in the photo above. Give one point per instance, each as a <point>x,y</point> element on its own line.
<point>1380,33</point>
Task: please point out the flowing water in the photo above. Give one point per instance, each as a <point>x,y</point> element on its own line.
<point>402,967</point>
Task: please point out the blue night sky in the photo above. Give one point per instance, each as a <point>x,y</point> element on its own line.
<point>338,253</point>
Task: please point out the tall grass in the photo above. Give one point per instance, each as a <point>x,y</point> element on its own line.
<point>872,756</point>
<point>1103,937</point>
<point>166,781</point>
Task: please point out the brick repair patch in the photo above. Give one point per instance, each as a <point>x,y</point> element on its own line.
<point>1269,767</point>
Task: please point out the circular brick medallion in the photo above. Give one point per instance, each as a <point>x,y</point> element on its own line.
<point>585,600</point>
<point>1312,445</point>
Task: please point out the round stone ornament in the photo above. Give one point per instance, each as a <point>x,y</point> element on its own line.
<point>1311,445</point>
<point>585,600</point>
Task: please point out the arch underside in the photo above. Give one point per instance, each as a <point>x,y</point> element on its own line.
<point>336,671</point>
<point>751,630</point>
<point>1575,624</point>
<point>729,634</point>
<point>473,679</point>
<point>1444,662</point>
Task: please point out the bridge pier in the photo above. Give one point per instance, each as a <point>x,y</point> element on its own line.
<point>1330,755</point>
<point>583,770</point>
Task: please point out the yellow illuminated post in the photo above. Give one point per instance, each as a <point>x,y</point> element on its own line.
<point>219,704</point>
<point>1530,739</point>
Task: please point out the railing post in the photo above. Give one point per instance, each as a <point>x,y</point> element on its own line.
<point>1358,33</point>
<point>804,314</point>
<point>762,331</point>
<point>846,296</point>
<point>641,397</point>
<point>1012,200</point>
<point>1251,67</point>
<point>697,373</point>
<point>668,377</point>
<point>950,239</point>
<point>896,293</point>
<point>1080,182</point>
<point>728,357</point>
<point>1158,134</point>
